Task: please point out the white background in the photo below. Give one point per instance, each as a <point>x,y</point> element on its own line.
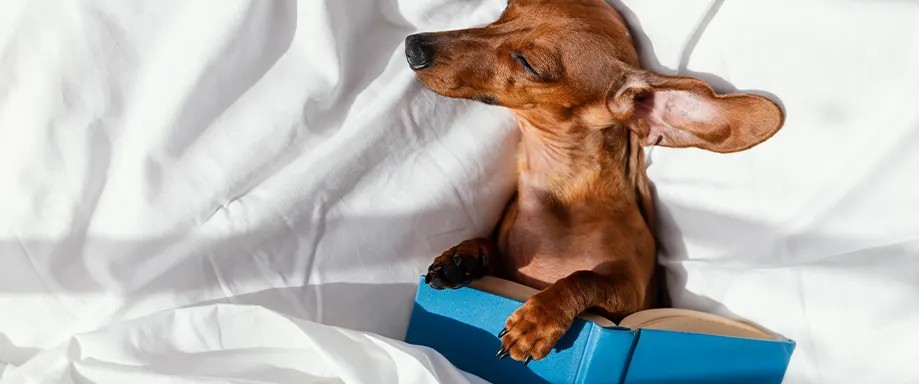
<point>163,155</point>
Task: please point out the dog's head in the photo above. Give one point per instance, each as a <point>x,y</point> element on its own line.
<point>575,61</point>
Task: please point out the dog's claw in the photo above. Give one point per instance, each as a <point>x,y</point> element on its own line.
<point>534,329</point>
<point>502,333</point>
<point>433,280</point>
<point>502,353</point>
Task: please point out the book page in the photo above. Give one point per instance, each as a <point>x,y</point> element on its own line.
<point>684,320</point>
<point>667,319</point>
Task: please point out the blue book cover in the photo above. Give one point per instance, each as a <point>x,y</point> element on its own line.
<point>653,346</point>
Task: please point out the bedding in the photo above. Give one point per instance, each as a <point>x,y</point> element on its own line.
<point>170,167</point>
<point>222,343</point>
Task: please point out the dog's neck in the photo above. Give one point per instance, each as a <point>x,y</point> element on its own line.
<point>569,160</point>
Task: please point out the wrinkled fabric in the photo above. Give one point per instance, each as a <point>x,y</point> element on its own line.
<point>223,343</point>
<point>276,153</point>
<point>281,154</point>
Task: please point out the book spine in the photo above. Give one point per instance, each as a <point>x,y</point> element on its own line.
<point>589,348</point>
<point>628,360</point>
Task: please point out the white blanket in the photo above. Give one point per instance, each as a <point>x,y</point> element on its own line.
<point>159,155</point>
<point>223,343</point>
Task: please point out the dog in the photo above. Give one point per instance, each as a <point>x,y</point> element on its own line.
<point>580,227</point>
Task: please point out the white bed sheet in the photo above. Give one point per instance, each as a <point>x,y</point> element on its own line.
<point>158,156</point>
<point>223,343</point>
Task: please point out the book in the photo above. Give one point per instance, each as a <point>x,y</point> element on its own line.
<point>664,345</point>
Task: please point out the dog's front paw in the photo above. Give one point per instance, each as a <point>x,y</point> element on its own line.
<point>532,331</point>
<point>459,265</point>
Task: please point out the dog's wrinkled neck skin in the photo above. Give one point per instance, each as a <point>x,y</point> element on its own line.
<point>567,159</point>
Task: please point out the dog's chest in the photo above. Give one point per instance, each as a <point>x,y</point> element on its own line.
<point>547,242</point>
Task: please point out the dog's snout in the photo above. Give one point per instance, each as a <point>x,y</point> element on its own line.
<point>419,51</point>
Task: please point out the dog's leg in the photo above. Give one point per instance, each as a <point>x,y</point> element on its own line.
<point>532,331</point>
<point>459,265</point>
<point>471,259</point>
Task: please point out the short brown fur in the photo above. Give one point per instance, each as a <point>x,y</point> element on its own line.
<point>580,227</point>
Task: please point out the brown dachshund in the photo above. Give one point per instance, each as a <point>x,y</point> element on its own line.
<point>580,227</point>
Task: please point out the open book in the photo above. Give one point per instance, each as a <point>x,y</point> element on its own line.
<point>667,319</point>
<point>651,346</point>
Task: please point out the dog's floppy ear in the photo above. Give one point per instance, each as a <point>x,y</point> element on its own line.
<point>675,111</point>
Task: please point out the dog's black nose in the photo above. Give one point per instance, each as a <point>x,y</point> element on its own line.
<point>419,51</point>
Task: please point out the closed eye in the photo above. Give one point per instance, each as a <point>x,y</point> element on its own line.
<point>526,65</point>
